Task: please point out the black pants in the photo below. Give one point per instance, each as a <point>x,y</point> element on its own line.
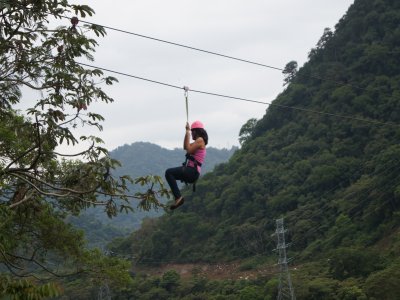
<point>186,174</point>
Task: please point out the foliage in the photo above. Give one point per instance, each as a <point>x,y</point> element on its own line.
<point>289,72</point>
<point>384,284</point>
<point>170,280</point>
<point>349,262</point>
<point>334,180</point>
<point>16,289</point>
<point>332,175</point>
<point>246,130</point>
<point>171,286</point>
<point>40,185</point>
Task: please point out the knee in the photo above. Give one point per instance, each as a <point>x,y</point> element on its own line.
<point>167,173</point>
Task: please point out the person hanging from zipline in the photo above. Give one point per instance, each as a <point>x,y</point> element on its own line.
<point>191,169</point>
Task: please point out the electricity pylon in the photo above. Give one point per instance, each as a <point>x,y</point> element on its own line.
<point>104,292</point>
<point>286,290</point>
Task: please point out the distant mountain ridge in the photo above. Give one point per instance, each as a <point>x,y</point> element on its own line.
<point>142,158</point>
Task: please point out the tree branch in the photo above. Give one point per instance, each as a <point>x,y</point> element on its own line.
<point>69,194</point>
<point>8,263</point>
<point>26,198</point>
<point>17,159</point>
<point>38,189</point>
<point>54,187</point>
<point>77,154</point>
<point>43,266</point>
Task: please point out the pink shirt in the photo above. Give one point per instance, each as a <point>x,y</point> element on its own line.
<point>199,155</point>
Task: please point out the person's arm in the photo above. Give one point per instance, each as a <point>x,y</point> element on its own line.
<point>198,143</point>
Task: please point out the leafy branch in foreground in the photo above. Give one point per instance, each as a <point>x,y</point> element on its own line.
<point>39,184</point>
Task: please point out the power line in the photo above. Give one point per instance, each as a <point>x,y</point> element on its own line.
<point>244,99</point>
<point>215,53</point>
<point>182,45</point>
<point>340,83</point>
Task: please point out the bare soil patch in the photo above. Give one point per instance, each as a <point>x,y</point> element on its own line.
<point>218,271</point>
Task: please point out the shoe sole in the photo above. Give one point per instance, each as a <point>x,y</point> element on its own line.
<point>176,205</point>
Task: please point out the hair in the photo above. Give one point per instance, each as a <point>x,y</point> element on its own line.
<point>200,132</point>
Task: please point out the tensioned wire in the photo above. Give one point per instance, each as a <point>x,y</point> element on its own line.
<point>205,51</point>
<point>209,52</point>
<point>243,99</point>
<point>226,96</point>
<point>212,52</point>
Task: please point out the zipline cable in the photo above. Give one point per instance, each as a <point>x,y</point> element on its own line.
<point>179,45</point>
<point>340,83</point>
<point>244,99</point>
<point>215,53</point>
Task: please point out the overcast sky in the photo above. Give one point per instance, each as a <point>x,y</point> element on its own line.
<point>264,31</point>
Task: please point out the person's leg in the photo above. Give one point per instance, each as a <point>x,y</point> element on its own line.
<point>172,175</point>
<point>190,174</point>
<point>180,173</point>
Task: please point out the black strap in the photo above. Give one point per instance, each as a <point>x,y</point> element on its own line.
<point>191,158</point>
<point>196,163</point>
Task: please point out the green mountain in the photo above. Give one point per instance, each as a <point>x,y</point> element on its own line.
<point>137,159</point>
<point>325,157</point>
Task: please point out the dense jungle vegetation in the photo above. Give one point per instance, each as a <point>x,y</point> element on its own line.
<point>329,166</point>
<point>41,184</point>
<point>333,176</point>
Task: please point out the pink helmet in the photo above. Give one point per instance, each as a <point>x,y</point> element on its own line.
<point>197,124</point>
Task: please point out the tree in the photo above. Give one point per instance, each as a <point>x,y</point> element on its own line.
<point>384,284</point>
<point>247,130</point>
<point>290,72</point>
<point>322,42</point>
<point>170,280</point>
<point>350,262</point>
<point>39,185</point>
<point>251,293</point>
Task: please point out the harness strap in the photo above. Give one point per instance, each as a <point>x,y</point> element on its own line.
<point>191,158</point>
<point>196,163</point>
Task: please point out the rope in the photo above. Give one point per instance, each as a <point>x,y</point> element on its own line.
<point>186,89</point>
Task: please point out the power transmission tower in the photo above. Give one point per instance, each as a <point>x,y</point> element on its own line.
<point>286,290</point>
<point>104,292</point>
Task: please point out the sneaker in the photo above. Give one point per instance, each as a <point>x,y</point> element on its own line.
<point>178,203</point>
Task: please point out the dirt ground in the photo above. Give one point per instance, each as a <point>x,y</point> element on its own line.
<point>211,271</point>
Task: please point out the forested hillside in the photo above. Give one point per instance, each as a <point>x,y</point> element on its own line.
<point>137,159</point>
<point>325,157</point>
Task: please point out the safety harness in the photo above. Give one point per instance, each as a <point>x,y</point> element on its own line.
<point>196,163</point>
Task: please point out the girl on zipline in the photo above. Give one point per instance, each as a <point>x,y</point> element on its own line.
<point>195,155</point>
